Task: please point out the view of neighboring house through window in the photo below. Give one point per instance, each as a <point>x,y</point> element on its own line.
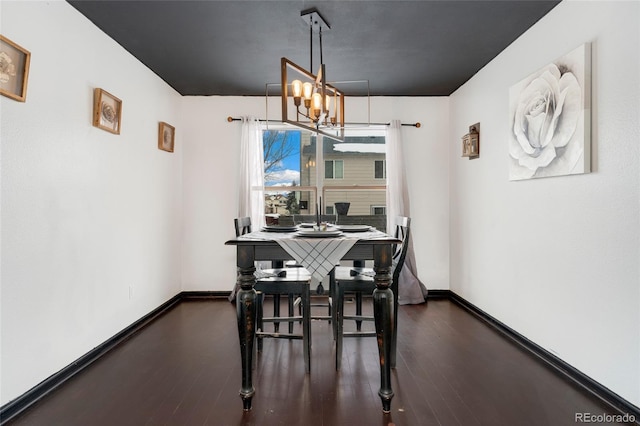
<point>354,175</point>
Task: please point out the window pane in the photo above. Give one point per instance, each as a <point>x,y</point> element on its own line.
<point>280,206</point>
<point>360,200</point>
<point>339,172</point>
<point>281,157</point>
<point>282,161</point>
<point>352,187</point>
<point>379,169</point>
<point>328,169</point>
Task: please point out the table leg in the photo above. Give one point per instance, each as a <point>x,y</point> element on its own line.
<point>246,310</point>
<point>383,308</point>
<point>394,339</point>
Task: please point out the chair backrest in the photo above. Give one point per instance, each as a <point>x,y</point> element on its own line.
<point>243,225</point>
<point>402,232</point>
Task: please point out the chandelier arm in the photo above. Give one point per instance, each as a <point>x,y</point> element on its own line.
<point>307,115</point>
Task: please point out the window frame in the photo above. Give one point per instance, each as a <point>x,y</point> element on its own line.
<point>333,183</point>
<point>384,169</point>
<point>373,207</point>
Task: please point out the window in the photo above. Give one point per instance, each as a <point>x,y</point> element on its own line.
<point>283,194</point>
<point>290,168</point>
<point>378,210</point>
<point>358,188</point>
<point>380,169</point>
<point>334,169</point>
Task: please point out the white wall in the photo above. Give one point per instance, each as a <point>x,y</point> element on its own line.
<point>90,220</point>
<point>211,182</point>
<point>557,259</point>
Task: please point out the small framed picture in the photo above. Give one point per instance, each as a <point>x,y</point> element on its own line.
<point>107,111</point>
<point>166,136</point>
<point>471,142</point>
<point>14,70</point>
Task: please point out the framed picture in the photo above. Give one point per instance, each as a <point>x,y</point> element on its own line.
<point>166,136</point>
<point>550,119</point>
<point>14,70</point>
<point>471,142</point>
<point>107,111</point>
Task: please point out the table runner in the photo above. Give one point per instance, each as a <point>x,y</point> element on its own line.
<point>317,255</point>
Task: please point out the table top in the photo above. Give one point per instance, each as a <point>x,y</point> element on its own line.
<point>268,238</point>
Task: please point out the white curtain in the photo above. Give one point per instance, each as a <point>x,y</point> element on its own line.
<point>410,289</point>
<point>251,191</point>
<point>251,197</point>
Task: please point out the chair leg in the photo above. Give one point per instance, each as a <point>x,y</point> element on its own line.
<point>259,315</point>
<point>359,264</point>
<point>329,301</point>
<point>306,328</point>
<point>333,302</point>
<point>292,299</point>
<point>359,310</point>
<point>276,311</point>
<point>338,307</point>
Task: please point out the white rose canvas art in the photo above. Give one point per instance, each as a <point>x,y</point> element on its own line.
<point>550,119</point>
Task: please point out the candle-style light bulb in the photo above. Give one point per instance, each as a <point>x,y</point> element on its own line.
<point>307,91</point>
<point>296,88</point>
<point>327,107</point>
<point>316,100</point>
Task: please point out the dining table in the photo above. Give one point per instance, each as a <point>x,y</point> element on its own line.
<point>318,251</point>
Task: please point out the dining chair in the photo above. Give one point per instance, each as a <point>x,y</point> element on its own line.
<point>358,280</point>
<point>292,282</point>
<point>243,226</point>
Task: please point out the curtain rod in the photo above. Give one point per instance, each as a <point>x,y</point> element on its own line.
<point>262,120</point>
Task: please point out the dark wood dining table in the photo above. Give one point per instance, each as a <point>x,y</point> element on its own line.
<point>254,247</point>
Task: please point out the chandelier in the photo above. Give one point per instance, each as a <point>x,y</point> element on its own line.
<point>308,101</point>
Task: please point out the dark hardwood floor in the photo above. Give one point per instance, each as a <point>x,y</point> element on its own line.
<point>184,369</point>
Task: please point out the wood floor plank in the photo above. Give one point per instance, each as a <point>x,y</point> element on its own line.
<point>184,369</point>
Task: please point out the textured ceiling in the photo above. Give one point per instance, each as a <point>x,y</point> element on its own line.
<point>404,48</point>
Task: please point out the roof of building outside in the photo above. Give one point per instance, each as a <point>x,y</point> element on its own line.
<point>369,145</point>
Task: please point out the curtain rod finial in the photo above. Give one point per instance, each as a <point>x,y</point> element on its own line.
<point>230,119</point>
<point>418,125</point>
